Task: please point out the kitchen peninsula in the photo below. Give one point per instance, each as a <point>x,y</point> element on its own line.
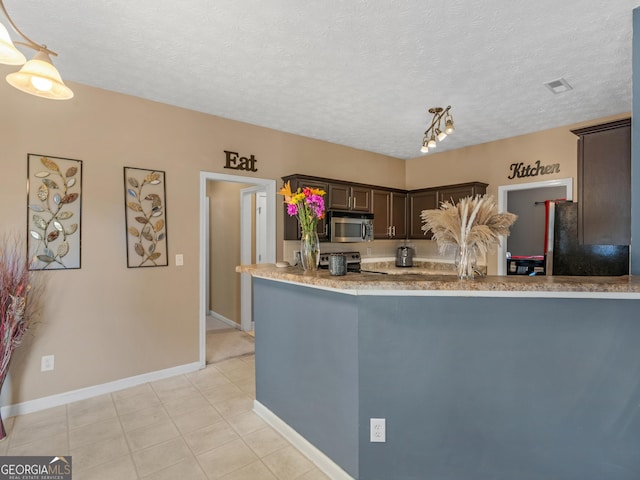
<point>495,378</point>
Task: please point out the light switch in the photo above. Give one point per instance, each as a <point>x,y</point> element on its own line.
<point>179,260</point>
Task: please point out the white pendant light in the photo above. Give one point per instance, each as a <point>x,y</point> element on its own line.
<point>9,54</point>
<point>39,77</point>
<point>448,124</point>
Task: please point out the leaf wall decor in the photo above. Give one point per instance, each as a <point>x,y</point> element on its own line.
<point>53,200</point>
<point>145,215</point>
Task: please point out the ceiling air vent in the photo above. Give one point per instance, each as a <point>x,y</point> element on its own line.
<point>558,86</point>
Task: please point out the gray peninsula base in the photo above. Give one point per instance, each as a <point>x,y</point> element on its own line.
<point>472,388</point>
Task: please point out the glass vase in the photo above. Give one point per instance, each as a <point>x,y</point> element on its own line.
<point>309,250</point>
<point>465,262</point>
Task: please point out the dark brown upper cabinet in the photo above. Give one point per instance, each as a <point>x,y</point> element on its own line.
<point>343,196</point>
<point>291,225</point>
<point>389,209</point>
<point>431,198</point>
<point>604,183</point>
<point>396,213</point>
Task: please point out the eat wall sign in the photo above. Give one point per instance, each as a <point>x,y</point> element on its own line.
<point>521,170</point>
<point>235,162</point>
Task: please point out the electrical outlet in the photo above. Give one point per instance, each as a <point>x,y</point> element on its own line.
<point>47,362</point>
<point>368,251</point>
<point>378,429</point>
<point>179,260</point>
<point>296,258</point>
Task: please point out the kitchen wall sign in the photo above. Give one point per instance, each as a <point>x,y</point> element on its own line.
<point>520,170</point>
<point>235,162</point>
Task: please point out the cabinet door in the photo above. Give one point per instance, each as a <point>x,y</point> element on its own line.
<point>381,213</point>
<point>339,196</point>
<point>604,184</point>
<point>399,214</point>
<point>418,201</point>
<point>346,197</point>
<point>291,224</point>
<point>455,194</point>
<point>360,199</point>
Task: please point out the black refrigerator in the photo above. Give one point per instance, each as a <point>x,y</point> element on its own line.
<point>566,256</point>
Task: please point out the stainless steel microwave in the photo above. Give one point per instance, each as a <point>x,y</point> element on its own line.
<point>350,226</point>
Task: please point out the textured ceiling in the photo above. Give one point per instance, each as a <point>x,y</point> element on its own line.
<point>360,73</point>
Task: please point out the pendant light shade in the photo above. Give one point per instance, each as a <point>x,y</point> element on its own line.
<point>448,124</point>
<point>9,54</point>
<point>39,77</point>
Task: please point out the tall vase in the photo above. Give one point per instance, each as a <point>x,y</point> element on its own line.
<point>310,250</point>
<point>465,261</point>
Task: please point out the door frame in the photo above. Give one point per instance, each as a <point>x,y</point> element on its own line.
<point>503,193</point>
<point>246,224</point>
<point>269,187</point>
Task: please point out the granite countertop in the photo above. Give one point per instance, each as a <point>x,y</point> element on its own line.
<point>419,267</point>
<point>425,281</point>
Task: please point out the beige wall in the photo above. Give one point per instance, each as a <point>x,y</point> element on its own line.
<point>224,248</point>
<point>106,322</point>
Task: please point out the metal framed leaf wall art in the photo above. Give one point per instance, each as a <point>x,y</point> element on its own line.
<point>54,207</point>
<point>145,213</point>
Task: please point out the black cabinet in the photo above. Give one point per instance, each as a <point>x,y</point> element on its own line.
<point>604,183</point>
<point>389,209</point>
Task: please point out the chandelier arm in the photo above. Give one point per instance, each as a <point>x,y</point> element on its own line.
<point>29,43</point>
<point>436,119</point>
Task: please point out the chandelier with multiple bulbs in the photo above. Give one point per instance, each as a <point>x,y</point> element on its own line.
<point>38,76</point>
<point>435,130</point>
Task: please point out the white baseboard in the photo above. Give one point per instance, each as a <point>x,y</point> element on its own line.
<point>324,463</point>
<point>43,403</point>
<point>224,319</point>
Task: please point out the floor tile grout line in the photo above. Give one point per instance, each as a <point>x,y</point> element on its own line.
<point>119,413</point>
<point>126,437</point>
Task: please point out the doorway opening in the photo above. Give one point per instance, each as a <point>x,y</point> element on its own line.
<point>253,191</point>
<point>521,195</point>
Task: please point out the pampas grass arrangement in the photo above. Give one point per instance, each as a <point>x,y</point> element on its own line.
<point>20,292</point>
<point>473,226</point>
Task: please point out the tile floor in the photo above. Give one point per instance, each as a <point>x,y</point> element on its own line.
<point>197,426</point>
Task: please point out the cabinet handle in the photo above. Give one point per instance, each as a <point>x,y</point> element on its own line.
<point>326,227</point>
<point>389,231</point>
<point>354,203</point>
<point>393,229</point>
